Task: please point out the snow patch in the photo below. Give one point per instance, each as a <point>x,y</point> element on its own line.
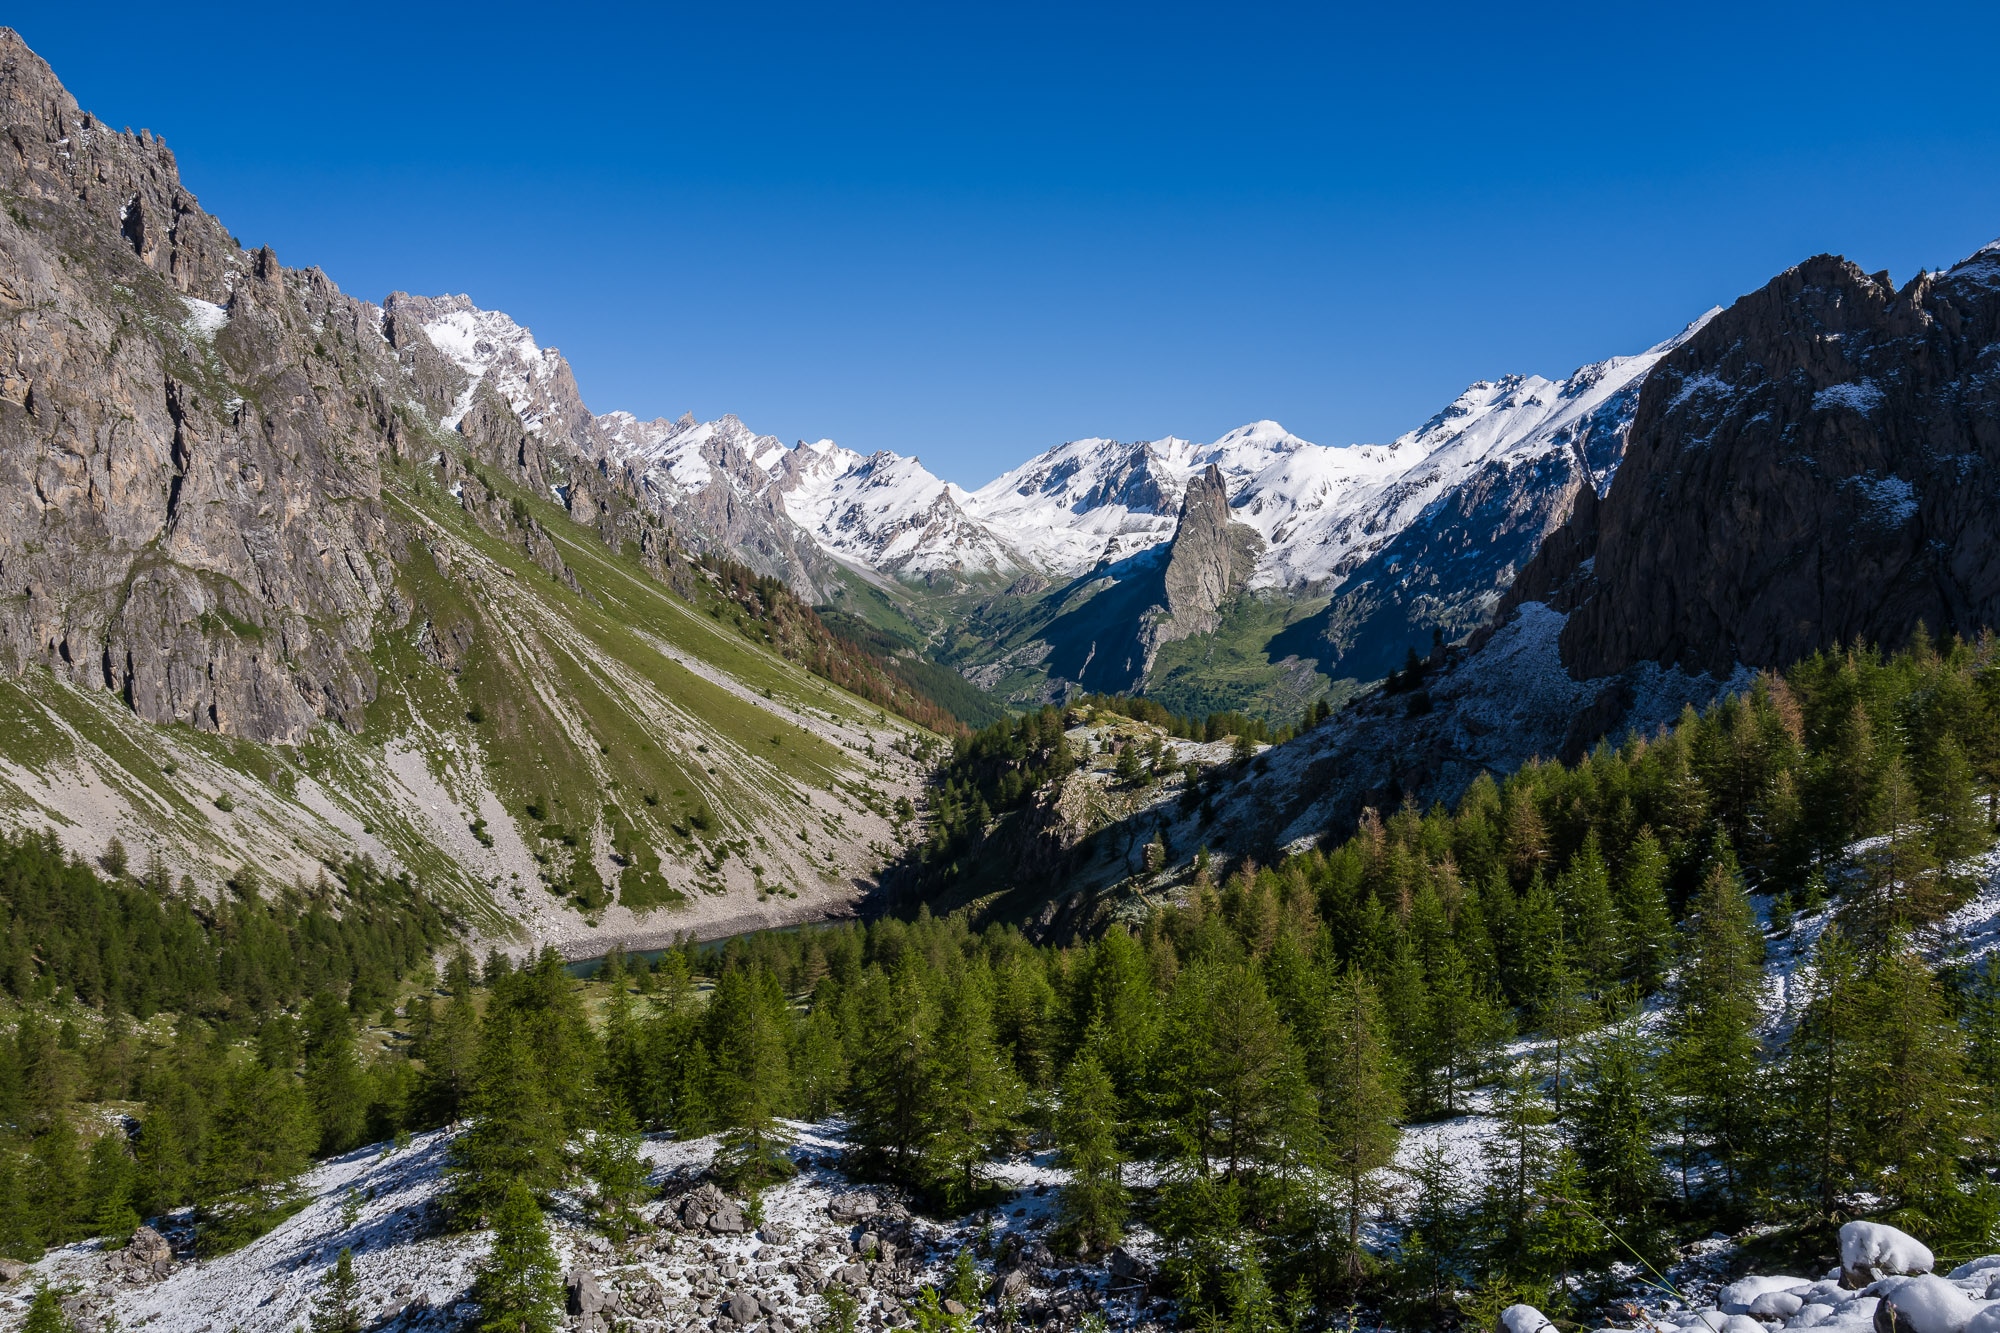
<point>1856,396</point>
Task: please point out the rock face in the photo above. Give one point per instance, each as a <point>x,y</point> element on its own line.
<point>193,438</point>
<point>189,434</point>
<point>1208,562</point>
<point>1817,465</point>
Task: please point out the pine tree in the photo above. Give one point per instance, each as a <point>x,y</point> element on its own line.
<point>518,1287</point>
<point>1958,827</point>
<point>1093,1202</point>
<point>515,1135</point>
<point>333,1076</point>
<point>58,1198</point>
<point>1516,1159</point>
<point>1228,1078</point>
<point>1359,1100</point>
<point>1919,1092</point>
<point>1615,1126</point>
<point>45,1312</point>
<point>109,1190</point>
<point>1712,1050</point>
<point>747,1038</point>
<point>1535,948</point>
<point>1434,1242</point>
<point>1821,1133</point>
<point>617,1165</point>
<point>1563,1233</point>
<point>889,1091</point>
<point>975,1093</point>
<point>337,1309</point>
<point>1583,890</point>
<point>1645,927</point>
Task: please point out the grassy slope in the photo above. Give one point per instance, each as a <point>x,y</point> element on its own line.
<point>665,753</point>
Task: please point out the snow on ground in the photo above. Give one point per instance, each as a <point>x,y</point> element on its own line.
<point>814,1229</point>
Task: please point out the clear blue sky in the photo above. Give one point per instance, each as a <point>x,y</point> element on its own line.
<point>971,231</point>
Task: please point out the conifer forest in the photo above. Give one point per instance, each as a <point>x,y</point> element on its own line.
<point>1693,978</point>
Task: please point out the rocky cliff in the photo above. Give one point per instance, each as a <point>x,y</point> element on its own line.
<point>189,501</point>
<point>235,498</point>
<point>1818,465</point>
<point>1208,562</point>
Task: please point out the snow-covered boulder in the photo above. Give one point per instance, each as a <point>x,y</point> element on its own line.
<point>1740,1295</point>
<point>1872,1250</point>
<point>1776,1305</point>
<point>1526,1319</point>
<point>1925,1304</point>
<point>1986,1321</point>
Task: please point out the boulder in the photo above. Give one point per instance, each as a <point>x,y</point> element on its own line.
<point>11,1269</point>
<point>1776,1305</point>
<point>853,1205</point>
<point>1740,1295</point>
<point>585,1296</point>
<point>743,1308</point>
<point>1870,1251</point>
<point>1525,1319</point>
<point>709,1209</point>
<point>148,1247</point>
<point>1923,1304</point>
<point>1126,1268</point>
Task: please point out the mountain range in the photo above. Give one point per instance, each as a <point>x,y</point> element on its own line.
<point>1373,549</point>
<point>289,578</point>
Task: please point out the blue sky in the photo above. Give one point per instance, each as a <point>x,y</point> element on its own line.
<point>971,231</point>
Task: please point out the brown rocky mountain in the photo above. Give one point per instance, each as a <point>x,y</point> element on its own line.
<point>282,583</point>
<point>1818,465</point>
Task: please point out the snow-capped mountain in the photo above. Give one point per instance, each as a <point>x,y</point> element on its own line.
<point>1443,514</point>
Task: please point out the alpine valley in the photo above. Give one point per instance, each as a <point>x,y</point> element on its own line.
<point>473,861</point>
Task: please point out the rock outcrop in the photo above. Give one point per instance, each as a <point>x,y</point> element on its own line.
<point>189,493</point>
<point>1207,563</point>
<point>1816,466</point>
<point>193,440</point>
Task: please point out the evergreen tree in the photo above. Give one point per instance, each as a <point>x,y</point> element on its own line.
<point>518,1286</point>
<point>1712,1050</point>
<point>109,1190</point>
<point>619,1168</point>
<point>1229,1078</point>
<point>1463,1022</point>
<point>746,1036</point>
<point>337,1309</point>
<point>58,1174</point>
<point>889,1092</point>
<point>1516,1159</point>
<point>1430,1263</point>
<point>1614,1130</point>
<point>1093,1202</point>
<point>515,1135</point>
<point>45,1312</point>
<point>1645,927</point>
<point>1583,890</point>
<point>1359,1102</point>
<point>333,1075</point>
<point>975,1093</point>
<point>1821,1135</point>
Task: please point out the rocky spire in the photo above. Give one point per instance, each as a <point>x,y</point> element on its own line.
<point>1207,562</point>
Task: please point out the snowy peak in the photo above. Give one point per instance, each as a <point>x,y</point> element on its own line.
<point>1322,512</point>
<point>886,512</point>
<point>534,381</point>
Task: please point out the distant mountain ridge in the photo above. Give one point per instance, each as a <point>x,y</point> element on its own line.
<point>1409,542</point>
